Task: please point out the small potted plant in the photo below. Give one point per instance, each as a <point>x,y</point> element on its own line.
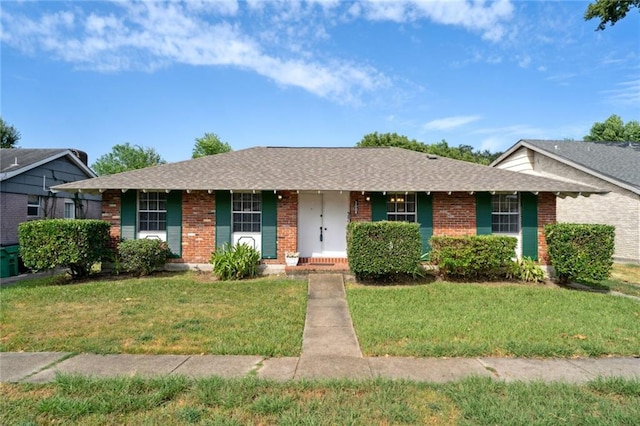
<point>291,258</point>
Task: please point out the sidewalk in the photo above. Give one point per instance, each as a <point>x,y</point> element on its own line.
<point>330,349</point>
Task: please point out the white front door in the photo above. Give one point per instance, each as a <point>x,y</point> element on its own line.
<point>322,224</point>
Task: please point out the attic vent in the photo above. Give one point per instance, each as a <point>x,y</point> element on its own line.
<point>432,157</point>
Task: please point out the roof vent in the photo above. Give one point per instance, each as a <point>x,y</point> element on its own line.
<point>432,156</point>
<point>15,162</point>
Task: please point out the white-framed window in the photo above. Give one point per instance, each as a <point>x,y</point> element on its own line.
<point>505,218</point>
<point>33,205</point>
<point>401,207</point>
<point>152,211</point>
<point>247,212</point>
<point>69,209</point>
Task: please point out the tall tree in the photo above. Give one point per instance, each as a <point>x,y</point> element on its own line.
<point>463,152</point>
<point>609,11</point>
<point>613,129</point>
<point>209,144</point>
<point>125,157</point>
<point>9,135</point>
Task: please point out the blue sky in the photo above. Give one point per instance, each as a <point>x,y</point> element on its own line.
<point>89,75</point>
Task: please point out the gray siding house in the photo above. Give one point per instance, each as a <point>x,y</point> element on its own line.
<point>612,166</point>
<point>26,178</point>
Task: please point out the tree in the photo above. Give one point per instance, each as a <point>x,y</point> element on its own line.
<point>209,144</point>
<point>125,157</point>
<point>609,11</point>
<point>463,152</point>
<point>614,130</point>
<point>9,135</point>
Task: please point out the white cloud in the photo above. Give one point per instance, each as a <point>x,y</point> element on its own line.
<point>626,93</point>
<point>145,36</point>
<point>478,16</point>
<point>524,61</point>
<point>501,138</point>
<point>449,123</point>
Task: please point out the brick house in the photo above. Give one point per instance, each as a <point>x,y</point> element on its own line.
<point>26,178</point>
<point>612,166</point>
<point>301,199</point>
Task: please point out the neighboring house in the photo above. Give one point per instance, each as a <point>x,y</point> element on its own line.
<point>26,178</point>
<point>613,166</point>
<point>301,200</point>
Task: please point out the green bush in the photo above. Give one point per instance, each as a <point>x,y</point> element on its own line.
<point>143,256</point>
<point>526,270</point>
<point>73,244</point>
<point>383,250</point>
<point>473,257</point>
<point>580,251</point>
<point>235,262</point>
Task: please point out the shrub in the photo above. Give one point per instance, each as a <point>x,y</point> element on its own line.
<point>143,256</point>
<point>383,250</point>
<point>473,257</point>
<point>73,244</point>
<point>235,262</point>
<point>526,270</point>
<point>580,251</point>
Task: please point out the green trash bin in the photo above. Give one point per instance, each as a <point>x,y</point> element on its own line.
<point>9,261</point>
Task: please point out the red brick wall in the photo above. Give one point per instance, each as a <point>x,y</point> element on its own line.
<point>287,225</point>
<point>111,213</point>
<point>364,207</point>
<point>198,227</point>
<point>454,214</point>
<point>546,215</point>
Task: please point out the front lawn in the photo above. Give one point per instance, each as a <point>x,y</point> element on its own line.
<point>453,319</point>
<point>176,401</point>
<point>625,278</point>
<point>182,313</point>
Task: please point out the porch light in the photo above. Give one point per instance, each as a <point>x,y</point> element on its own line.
<point>368,198</point>
<point>279,196</point>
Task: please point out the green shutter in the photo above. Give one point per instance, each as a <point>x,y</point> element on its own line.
<point>425,219</point>
<point>529,225</point>
<point>128,215</point>
<point>269,225</point>
<point>223,218</point>
<point>378,206</point>
<point>174,222</point>
<point>484,210</point>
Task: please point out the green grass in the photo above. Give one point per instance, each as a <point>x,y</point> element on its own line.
<point>625,278</point>
<point>179,401</point>
<point>184,313</point>
<point>445,319</point>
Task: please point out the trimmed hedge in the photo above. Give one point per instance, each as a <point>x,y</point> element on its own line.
<point>473,257</point>
<point>580,251</point>
<point>143,256</point>
<point>74,244</point>
<point>383,250</point>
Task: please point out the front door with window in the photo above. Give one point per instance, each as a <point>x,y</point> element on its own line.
<point>322,224</point>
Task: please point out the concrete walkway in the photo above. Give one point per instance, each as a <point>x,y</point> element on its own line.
<point>330,349</point>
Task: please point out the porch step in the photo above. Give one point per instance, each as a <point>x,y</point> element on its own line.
<point>310,265</point>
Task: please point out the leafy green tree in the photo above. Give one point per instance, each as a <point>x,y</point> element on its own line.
<point>613,129</point>
<point>209,144</point>
<point>9,135</point>
<point>609,11</point>
<point>125,157</point>
<point>463,152</point>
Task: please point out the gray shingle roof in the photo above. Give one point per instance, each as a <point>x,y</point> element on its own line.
<point>325,169</point>
<point>14,161</point>
<point>617,160</point>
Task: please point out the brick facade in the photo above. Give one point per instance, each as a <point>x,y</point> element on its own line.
<point>111,213</point>
<point>546,216</point>
<point>364,207</point>
<point>455,214</point>
<point>198,227</point>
